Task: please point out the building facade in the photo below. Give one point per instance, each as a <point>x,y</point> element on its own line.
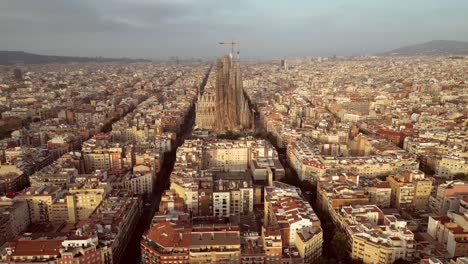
<point>225,109</point>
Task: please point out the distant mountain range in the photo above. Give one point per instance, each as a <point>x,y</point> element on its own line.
<point>435,47</point>
<point>14,57</point>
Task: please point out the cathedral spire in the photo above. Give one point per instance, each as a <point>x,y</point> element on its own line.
<point>231,113</point>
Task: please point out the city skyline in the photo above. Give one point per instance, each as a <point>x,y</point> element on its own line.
<point>332,131</point>
<point>188,28</point>
<point>351,160</point>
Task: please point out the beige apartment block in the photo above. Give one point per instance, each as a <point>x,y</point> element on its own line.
<point>82,202</point>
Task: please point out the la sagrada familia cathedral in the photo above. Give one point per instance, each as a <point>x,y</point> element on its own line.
<point>223,107</point>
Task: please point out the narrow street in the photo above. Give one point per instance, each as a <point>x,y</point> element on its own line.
<point>132,253</point>
<point>309,191</point>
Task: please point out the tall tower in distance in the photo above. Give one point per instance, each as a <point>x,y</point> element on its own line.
<point>18,74</point>
<point>225,107</point>
<point>284,64</point>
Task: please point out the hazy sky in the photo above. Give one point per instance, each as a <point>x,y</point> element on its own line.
<point>273,28</point>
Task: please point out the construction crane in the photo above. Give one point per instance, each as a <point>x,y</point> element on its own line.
<point>232,43</point>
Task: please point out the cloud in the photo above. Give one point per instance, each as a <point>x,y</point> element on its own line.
<point>156,28</point>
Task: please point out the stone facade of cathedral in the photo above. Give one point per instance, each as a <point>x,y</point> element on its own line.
<point>223,106</point>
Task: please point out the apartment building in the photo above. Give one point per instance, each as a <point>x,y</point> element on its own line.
<point>378,165</point>
<point>448,197</point>
<point>40,201</point>
<point>63,249</point>
<point>84,250</point>
<point>83,200</point>
<point>310,163</point>
<point>304,157</point>
<point>447,165</point>
<point>375,237</point>
<point>114,221</point>
<point>14,218</point>
<point>410,189</point>
<point>340,190</point>
<point>252,251</point>
<point>214,176</point>
<point>168,242</point>
<point>31,251</point>
<point>272,243</point>
<point>140,180</point>
<point>379,191</point>
<point>230,157</point>
<point>12,179</point>
<point>232,194</point>
<point>298,224</point>
<point>452,231</point>
<point>99,154</point>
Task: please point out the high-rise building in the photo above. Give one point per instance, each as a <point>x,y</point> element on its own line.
<point>18,74</point>
<point>284,64</point>
<point>225,109</point>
